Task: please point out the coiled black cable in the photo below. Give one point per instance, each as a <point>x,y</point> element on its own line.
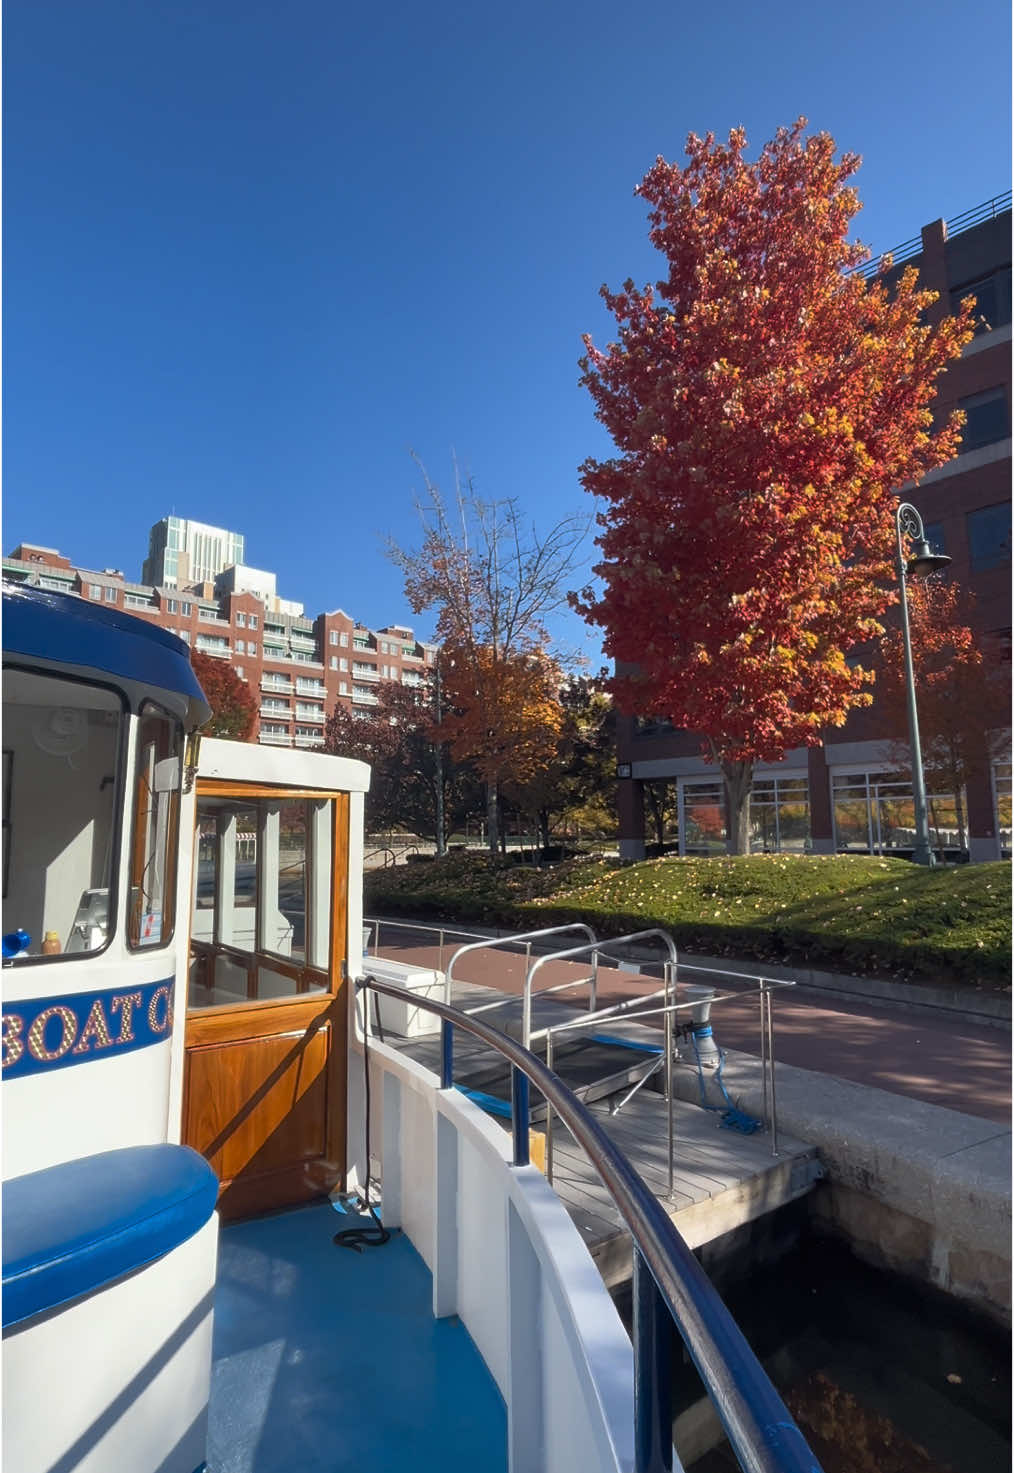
<point>359,1238</point>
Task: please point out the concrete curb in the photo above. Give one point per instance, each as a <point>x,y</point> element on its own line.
<point>915,1187</point>
<point>990,1009</point>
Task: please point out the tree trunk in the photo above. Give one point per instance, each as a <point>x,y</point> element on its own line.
<point>738,779</point>
<point>657,805</point>
<point>492,818</point>
<point>544,827</point>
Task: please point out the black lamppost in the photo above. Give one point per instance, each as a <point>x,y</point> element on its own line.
<point>908,523</point>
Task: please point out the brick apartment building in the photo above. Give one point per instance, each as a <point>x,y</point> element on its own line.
<point>301,668</point>
<point>845,794</point>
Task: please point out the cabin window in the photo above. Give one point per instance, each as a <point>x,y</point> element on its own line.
<point>159,770</point>
<point>261,927</point>
<point>63,744</point>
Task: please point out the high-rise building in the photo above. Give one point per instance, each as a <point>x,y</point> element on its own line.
<point>300,668</point>
<point>182,552</point>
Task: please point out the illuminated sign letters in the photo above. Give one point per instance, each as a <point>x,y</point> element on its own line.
<point>54,1032</point>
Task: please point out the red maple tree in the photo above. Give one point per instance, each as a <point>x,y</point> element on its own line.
<point>963,699</point>
<point>233,706</point>
<point>765,401</point>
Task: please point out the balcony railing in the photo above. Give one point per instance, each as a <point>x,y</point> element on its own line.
<point>279,658</point>
<point>275,739</point>
<point>365,672</point>
<point>312,714</point>
<point>364,698</point>
<point>284,687</point>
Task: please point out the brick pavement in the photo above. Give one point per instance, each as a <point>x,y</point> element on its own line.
<point>940,1060</point>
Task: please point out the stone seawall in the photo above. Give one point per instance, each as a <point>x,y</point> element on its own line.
<point>912,1187</point>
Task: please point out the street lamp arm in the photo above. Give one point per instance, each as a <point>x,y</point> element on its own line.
<point>909,523</point>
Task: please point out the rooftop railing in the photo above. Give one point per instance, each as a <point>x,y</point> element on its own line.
<point>988,210</point>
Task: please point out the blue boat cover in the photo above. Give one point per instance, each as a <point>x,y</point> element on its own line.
<point>73,1228</point>
<point>41,625</point>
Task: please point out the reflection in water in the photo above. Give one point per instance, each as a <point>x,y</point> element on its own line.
<point>883,1376</point>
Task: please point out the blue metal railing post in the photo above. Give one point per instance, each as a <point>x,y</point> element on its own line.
<point>652,1374</point>
<point>446,1054</point>
<point>519,1115</point>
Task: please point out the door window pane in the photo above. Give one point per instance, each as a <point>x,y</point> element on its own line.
<point>262,900</point>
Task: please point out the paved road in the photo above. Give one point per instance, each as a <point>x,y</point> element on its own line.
<point>935,1059</point>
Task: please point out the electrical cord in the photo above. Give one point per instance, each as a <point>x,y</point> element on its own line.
<point>359,1238</point>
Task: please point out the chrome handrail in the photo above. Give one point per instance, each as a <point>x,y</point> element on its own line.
<point>593,946</point>
<point>492,942</point>
<point>757,1423</point>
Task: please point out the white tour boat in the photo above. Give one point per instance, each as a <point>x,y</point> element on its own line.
<point>194,1118</point>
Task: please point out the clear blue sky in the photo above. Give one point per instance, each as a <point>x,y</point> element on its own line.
<point>256,252</point>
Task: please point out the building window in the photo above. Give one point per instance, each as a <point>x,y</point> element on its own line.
<point>240,647</point>
<point>874,813</point>
<point>343,687</point>
<point>185,609</point>
<point>172,605</point>
<point>240,671</point>
<point>94,590</point>
<point>343,639</point>
<point>241,621</point>
<point>992,299</point>
<point>253,621</point>
<point>935,536</point>
<point>1002,793</point>
<point>987,419</point>
<point>184,634</point>
<point>989,537</point>
<point>110,595</point>
<point>251,648</point>
<point>334,662</point>
<point>334,636</point>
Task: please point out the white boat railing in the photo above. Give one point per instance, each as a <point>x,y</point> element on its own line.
<point>449,1204</point>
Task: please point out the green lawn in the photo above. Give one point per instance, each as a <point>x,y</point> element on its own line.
<point>848,913</point>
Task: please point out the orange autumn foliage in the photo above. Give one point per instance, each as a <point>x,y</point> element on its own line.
<point>505,713</point>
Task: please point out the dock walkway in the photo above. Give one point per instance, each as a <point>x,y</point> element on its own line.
<point>722,1177</point>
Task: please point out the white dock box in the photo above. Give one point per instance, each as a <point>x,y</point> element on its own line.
<point>401,1017</point>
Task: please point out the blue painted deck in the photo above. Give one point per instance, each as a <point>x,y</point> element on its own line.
<point>327,1359</point>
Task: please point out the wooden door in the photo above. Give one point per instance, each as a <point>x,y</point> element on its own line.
<point>265,1074</point>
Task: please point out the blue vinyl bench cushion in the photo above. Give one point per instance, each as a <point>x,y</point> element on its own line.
<point>73,1228</point>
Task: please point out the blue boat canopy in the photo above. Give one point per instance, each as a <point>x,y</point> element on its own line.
<point>70,633</point>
